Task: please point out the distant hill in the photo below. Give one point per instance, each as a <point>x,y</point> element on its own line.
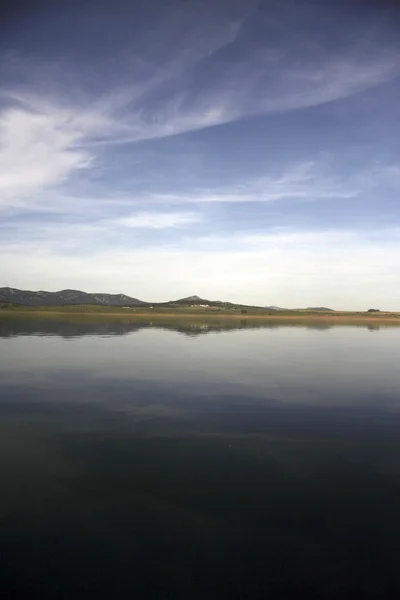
<point>64,297</point>
<point>193,301</point>
<point>76,297</point>
<point>190,300</point>
<point>15,297</point>
<point>198,301</point>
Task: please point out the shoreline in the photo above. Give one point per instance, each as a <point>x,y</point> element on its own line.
<point>131,315</point>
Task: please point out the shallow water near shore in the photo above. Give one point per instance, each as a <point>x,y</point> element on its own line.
<point>205,459</point>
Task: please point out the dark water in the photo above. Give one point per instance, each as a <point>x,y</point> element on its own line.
<point>193,460</point>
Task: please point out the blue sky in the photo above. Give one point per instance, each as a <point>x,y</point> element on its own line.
<point>237,150</point>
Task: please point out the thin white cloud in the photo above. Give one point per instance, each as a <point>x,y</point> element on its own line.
<point>70,236</point>
<point>278,238</point>
<point>239,94</point>
<point>268,84</point>
<point>157,220</point>
<point>36,151</point>
<point>300,181</point>
<point>291,75</point>
<point>46,153</point>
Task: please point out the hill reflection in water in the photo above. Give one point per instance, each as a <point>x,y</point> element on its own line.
<point>71,327</point>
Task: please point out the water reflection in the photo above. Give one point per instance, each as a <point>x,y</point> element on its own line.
<point>261,462</point>
<point>69,327</point>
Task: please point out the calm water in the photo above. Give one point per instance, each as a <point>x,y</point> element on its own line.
<point>195,460</point>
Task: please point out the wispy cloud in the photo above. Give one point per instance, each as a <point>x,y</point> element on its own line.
<point>243,92</point>
<point>290,74</point>
<point>45,155</point>
<point>51,131</point>
<point>42,145</point>
<point>36,151</point>
<point>157,220</point>
<point>133,230</point>
<point>301,181</point>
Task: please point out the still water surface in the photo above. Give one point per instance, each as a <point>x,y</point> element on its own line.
<point>198,460</point>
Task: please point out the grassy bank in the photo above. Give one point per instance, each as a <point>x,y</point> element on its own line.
<point>203,313</point>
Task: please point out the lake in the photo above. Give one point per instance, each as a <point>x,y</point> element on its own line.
<point>198,459</point>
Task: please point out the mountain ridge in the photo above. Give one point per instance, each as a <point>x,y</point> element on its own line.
<point>9,295</point>
<point>63,297</point>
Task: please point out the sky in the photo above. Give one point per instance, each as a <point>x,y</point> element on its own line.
<point>238,150</point>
